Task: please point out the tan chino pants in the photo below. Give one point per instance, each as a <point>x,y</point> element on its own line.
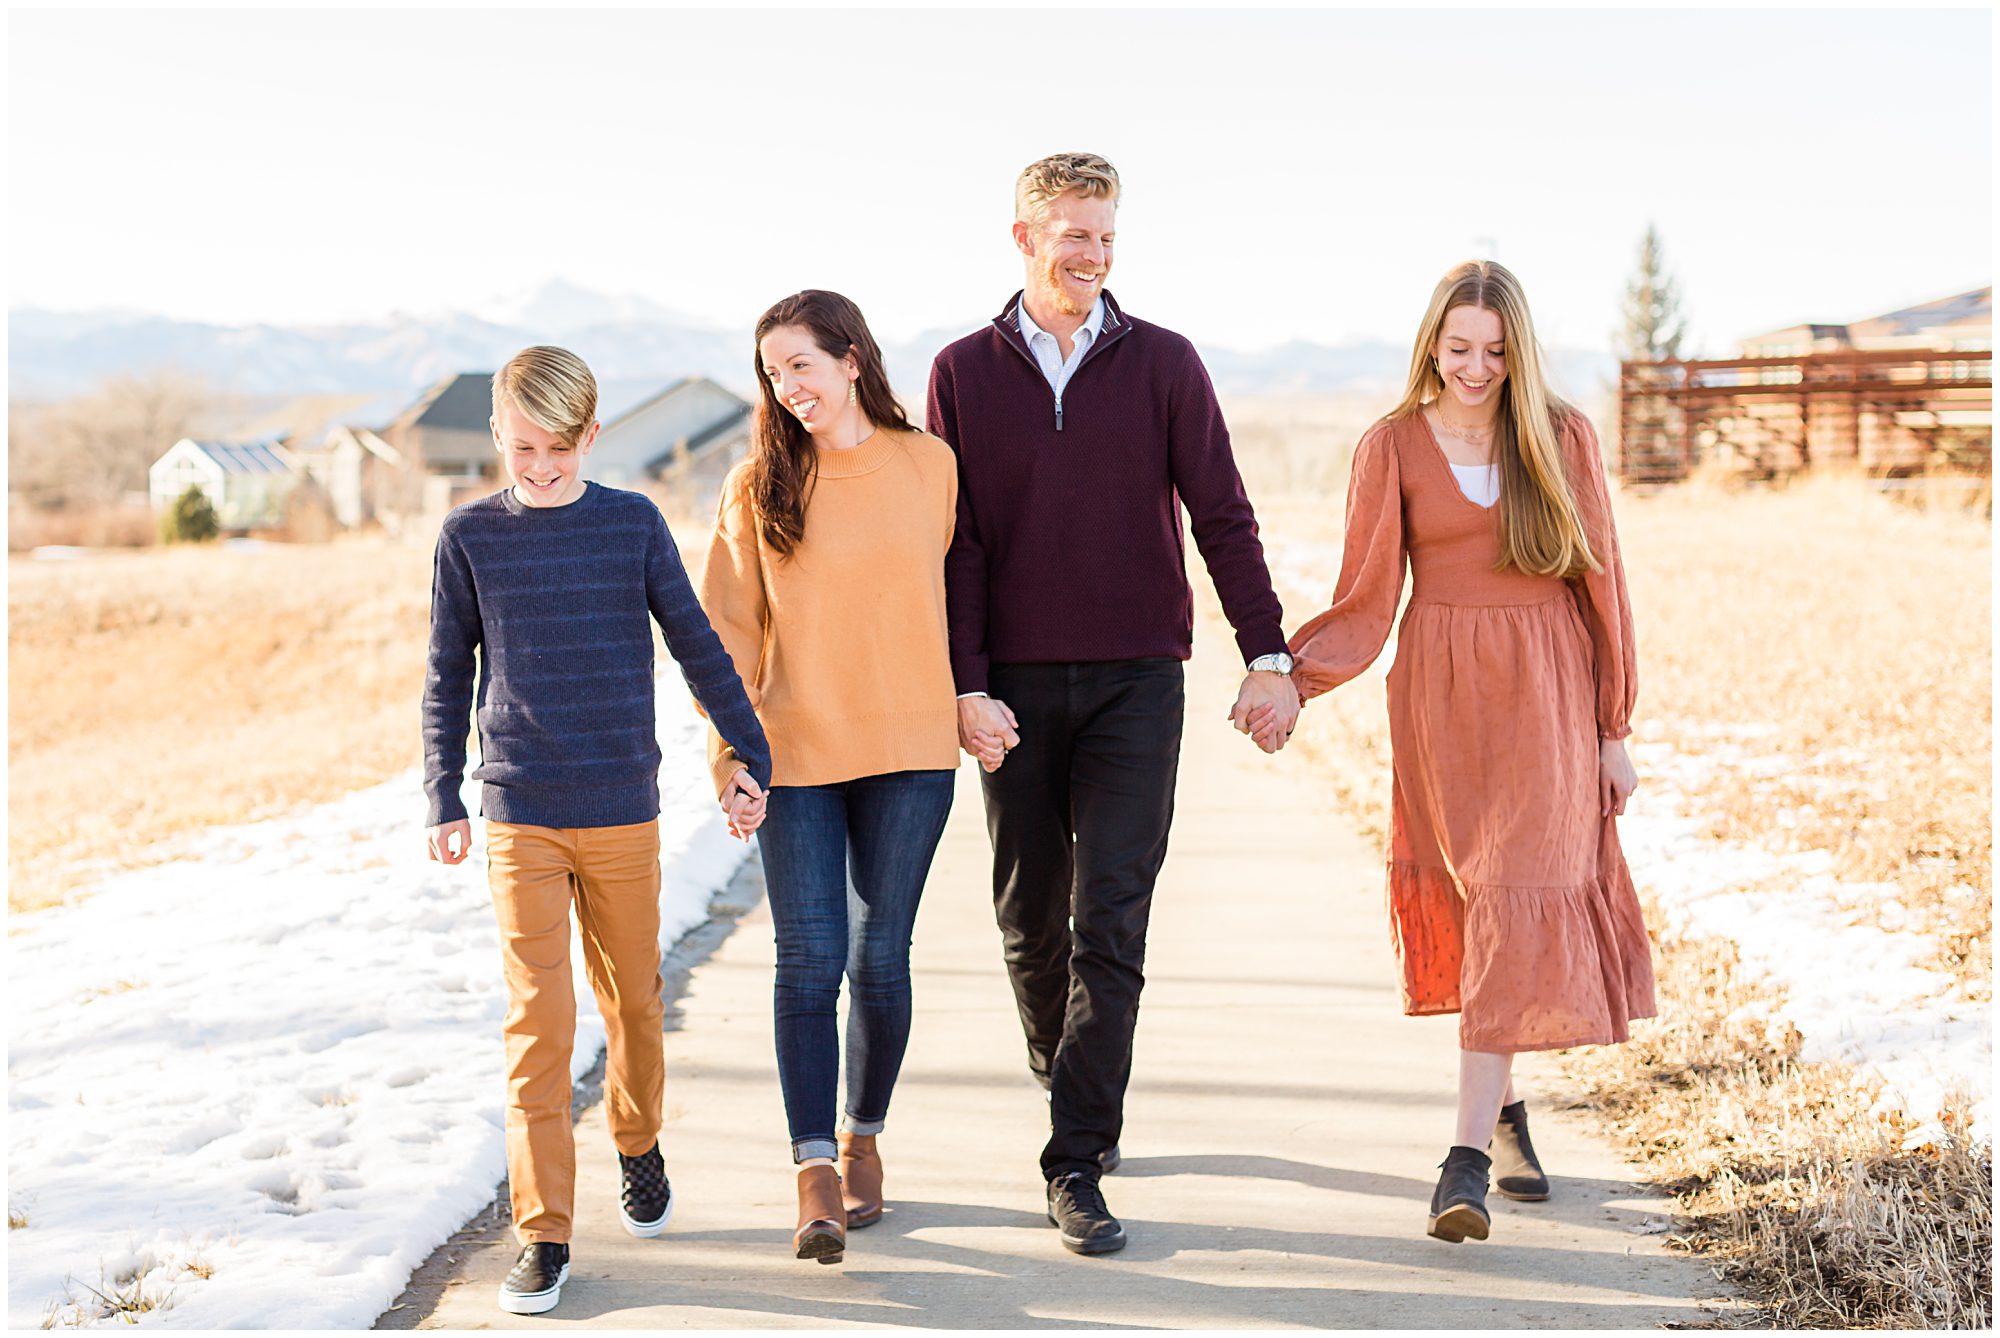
<point>612,876</point>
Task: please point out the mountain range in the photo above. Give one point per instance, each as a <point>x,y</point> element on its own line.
<point>56,354</point>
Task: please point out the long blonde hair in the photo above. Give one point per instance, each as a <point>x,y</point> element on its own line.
<point>1541,529</point>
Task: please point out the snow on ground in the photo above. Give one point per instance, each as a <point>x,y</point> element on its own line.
<point>262,1083</point>
<point>1858,994</point>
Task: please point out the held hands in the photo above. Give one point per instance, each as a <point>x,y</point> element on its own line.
<point>1615,777</point>
<point>987,730</point>
<point>1267,709</point>
<point>744,801</point>
<point>449,842</point>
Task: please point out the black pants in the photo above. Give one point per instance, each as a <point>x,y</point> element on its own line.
<point>1079,816</point>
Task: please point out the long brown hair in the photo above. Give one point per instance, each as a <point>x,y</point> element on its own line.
<point>783,463</point>
<point>1541,529</point>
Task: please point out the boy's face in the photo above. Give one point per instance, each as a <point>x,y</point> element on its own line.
<point>544,469</point>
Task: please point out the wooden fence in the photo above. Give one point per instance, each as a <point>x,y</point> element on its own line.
<point>1891,412</point>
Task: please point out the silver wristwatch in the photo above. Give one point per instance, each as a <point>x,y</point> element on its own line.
<point>1280,663</point>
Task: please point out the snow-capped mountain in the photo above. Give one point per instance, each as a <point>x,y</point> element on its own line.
<point>54,354</point>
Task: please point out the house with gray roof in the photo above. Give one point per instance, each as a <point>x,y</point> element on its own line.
<point>682,438</point>
<point>246,482</point>
<point>446,430</point>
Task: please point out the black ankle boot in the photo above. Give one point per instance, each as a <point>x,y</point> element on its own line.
<point>1458,1204</point>
<point>1517,1172</point>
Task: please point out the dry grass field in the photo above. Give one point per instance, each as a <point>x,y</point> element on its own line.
<point>158,692</point>
<point>165,691</point>
<point>1827,653</point>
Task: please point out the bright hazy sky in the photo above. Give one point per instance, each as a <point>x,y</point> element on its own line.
<point>1288,174</point>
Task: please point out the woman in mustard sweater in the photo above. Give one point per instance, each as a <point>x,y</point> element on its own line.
<point>825,581</point>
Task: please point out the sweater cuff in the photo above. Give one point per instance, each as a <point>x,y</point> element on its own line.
<point>724,766</point>
<point>445,808</point>
<point>1261,641</point>
<point>969,674</point>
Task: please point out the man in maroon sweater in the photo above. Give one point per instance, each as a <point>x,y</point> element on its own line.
<point>1081,433</point>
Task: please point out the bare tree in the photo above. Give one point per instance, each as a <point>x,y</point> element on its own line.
<point>92,450</point>
<point>1654,325</point>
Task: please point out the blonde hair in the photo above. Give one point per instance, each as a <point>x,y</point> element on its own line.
<point>1541,528</point>
<point>551,387</point>
<point>1044,179</point>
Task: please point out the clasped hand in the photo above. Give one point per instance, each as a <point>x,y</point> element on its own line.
<point>987,730</point>
<point>744,801</point>
<point>1267,709</point>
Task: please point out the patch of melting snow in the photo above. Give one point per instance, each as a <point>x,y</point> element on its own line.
<point>1857,993</point>
<point>260,1084</point>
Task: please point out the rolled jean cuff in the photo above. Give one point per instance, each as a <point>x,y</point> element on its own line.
<point>805,1149</point>
<point>854,1124</point>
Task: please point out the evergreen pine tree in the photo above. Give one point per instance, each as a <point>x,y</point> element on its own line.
<point>1654,325</point>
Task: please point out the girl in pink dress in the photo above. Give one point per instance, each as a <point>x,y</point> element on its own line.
<point>1511,692</point>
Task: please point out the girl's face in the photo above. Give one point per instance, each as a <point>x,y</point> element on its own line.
<point>807,380</point>
<point>1471,353</point>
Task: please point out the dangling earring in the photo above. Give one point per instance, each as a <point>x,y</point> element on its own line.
<point>852,397</point>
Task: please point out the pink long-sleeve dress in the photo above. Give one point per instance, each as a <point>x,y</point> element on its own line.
<point>1509,899</point>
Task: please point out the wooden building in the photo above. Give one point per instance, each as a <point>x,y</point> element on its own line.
<point>1907,392</point>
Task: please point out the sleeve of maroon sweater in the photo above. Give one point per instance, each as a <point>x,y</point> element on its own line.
<point>965,560</point>
<point>1225,528</point>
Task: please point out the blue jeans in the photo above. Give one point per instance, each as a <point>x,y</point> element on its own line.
<point>884,829</point>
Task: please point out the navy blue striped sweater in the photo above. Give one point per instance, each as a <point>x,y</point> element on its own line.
<point>555,603</point>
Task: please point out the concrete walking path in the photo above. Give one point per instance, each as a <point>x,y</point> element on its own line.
<point>1281,1138</point>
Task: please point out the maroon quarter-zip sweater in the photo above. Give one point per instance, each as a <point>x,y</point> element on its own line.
<point>1069,544</point>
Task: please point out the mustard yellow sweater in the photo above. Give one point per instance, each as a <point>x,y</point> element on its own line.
<point>843,645</point>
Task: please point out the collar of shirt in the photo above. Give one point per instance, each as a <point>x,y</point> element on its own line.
<point>1086,335</point>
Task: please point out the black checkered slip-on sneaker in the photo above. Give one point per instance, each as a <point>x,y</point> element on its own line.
<point>645,1199</point>
<point>536,1281</point>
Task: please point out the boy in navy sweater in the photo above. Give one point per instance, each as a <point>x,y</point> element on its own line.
<point>553,584</point>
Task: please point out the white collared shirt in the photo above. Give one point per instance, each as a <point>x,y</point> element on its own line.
<point>1047,348</point>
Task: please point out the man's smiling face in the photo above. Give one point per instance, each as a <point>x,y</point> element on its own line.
<point>1069,252</point>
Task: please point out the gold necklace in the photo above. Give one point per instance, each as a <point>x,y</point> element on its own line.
<point>1469,437</point>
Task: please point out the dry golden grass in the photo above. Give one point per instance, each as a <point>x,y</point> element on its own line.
<point>157,693</point>
<point>1834,651</point>
<point>1829,653</point>
<point>160,692</point>
<point>1787,1180</point>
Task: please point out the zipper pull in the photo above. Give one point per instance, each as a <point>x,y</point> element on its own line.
<point>1058,415</point>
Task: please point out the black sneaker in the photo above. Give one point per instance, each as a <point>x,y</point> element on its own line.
<point>535,1282</point>
<point>1110,1159</point>
<point>1076,1207</point>
<point>646,1200</point>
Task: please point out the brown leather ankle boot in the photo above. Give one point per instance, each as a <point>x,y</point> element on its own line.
<point>860,1180</point>
<point>822,1232</point>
